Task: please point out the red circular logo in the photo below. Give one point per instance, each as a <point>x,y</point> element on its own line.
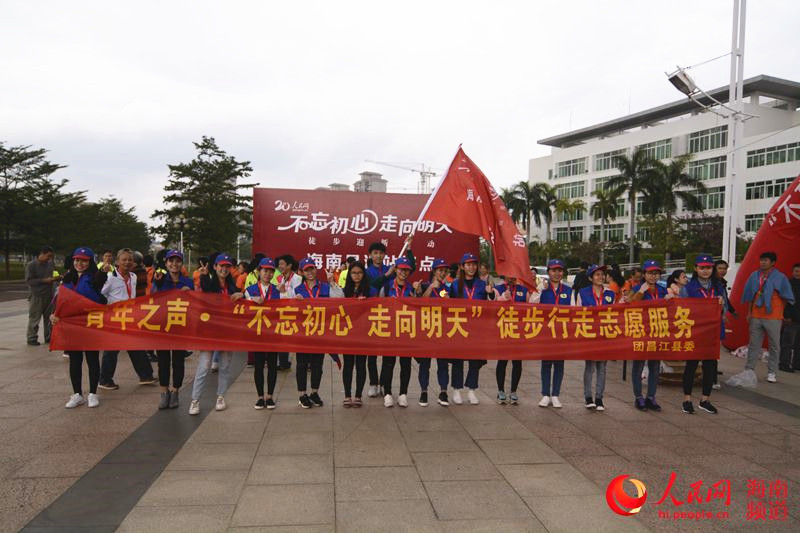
<point>618,500</point>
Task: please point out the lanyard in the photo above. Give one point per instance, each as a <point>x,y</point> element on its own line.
<point>598,300</point>
<point>470,293</point>
<point>762,280</point>
<point>266,296</point>
<point>557,293</point>
<point>653,293</point>
<point>128,286</point>
<point>709,294</point>
<point>514,294</point>
<point>311,290</point>
<point>398,292</point>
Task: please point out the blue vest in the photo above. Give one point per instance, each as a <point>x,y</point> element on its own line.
<point>390,290</point>
<point>695,290</point>
<point>255,292</point>
<point>548,295</point>
<point>320,290</point>
<point>520,292</point>
<point>660,291</point>
<point>588,298</point>
<point>167,284</point>
<point>479,286</point>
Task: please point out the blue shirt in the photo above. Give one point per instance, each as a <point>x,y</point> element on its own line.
<point>85,288</point>
<point>320,290</point>
<point>272,292</point>
<point>167,284</point>
<point>519,292</point>
<point>588,299</point>
<point>661,292</point>
<point>390,290</point>
<point>548,295</point>
<point>478,286</point>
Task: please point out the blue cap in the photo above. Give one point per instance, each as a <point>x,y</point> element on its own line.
<point>83,252</point>
<point>469,258</point>
<point>267,262</point>
<point>224,259</point>
<point>173,253</point>
<point>439,263</point>
<point>704,260</point>
<point>307,263</point>
<point>555,263</point>
<point>594,268</point>
<point>650,265</point>
<point>402,262</point>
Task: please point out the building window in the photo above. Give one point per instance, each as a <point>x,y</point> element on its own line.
<point>658,150</point>
<point>753,222</point>
<point>773,155</point>
<point>607,160</point>
<point>709,139</point>
<point>550,174</point>
<point>563,217</point>
<point>757,190</point>
<point>708,169</point>
<point>574,189</point>
<point>613,232</point>
<point>621,211</point>
<point>643,234</point>
<point>713,199</point>
<point>573,167</point>
<point>568,235</point>
<point>602,183</point>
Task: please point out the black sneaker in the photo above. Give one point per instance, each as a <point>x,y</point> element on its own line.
<point>423,399</point>
<point>315,399</point>
<point>590,403</point>
<point>688,408</point>
<point>34,343</point>
<point>108,386</point>
<point>599,404</point>
<point>305,402</point>
<point>708,408</point>
<point>443,399</point>
<point>651,403</point>
<point>259,404</point>
<point>640,404</point>
<point>270,403</point>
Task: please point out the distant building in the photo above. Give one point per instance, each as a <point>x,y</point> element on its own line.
<point>335,187</point>
<point>370,182</point>
<point>582,161</point>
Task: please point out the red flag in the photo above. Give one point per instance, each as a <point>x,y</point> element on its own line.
<point>467,202</point>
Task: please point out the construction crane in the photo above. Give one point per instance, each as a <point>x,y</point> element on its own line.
<point>425,173</point>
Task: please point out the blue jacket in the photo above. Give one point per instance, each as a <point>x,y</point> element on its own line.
<point>661,292</point>
<point>254,292</point>
<point>548,296</point>
<point>320,290</point>
<point>776,281</point>
<point>86,286</point>
<point>166,284</point>
<point>479,286</point>
<point>695,290</point>
<point>520,294</point>
<point>405,292</point>
<point>587,298</point>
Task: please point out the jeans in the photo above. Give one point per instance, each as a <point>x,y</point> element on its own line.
<point>456,372</point>
<point>387,373</point>
<point>709,373</point>
<point>516,374</point>
<point>271,359</point>
<point>557,368</point>
<point>76,370</point>
<point>177,360</point>
<point>360,364</point>
<point>424,373</point>
<point>591,367</point>
<point>790,345</point>
<point>204,367</point>
<point>473,372</point>
<point>139,360</point>
<point>303,361</point>
<point>39,309</point>
<point>372,368</point>
<point>652,377</point>
<point>758,326</point>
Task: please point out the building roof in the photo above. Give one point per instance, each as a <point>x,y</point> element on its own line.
<point>763,84</point>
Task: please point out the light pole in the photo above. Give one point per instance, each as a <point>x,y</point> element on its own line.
<point>181,224</point>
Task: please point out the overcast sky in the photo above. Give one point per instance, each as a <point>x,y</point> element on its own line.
<point>307,91</point>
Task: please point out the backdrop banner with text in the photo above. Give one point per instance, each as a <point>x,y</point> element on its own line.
<point>419,327</point>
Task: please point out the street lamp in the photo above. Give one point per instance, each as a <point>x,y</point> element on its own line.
<point>181,223</point>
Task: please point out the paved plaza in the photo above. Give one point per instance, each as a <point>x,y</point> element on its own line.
<point>126,466</point>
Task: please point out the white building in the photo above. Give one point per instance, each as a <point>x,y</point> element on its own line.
<point>370,182</point>
<point>768,160</point>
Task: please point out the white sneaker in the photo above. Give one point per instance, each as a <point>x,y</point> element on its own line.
<point>457,397</point>
<point>194,407</point>
<point>545,401</point>
<point>74,401</point>
<point>402,400</point>
<point>94,400</point>
<point>556,402</point>
<point>388,401</point>
<point>65,355</point>
<point>214,367</point>
<point>473,400</point>
<point>771,378</point>
<point>372,392</point>
<point>716,386</point>
<point>220,404</point>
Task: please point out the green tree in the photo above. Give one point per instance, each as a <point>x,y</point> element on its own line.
<point>108,224</point>
<point>206,192</point>
<point>546,205</point>
<point>634,178</point>
<point>569,209</point>
<point>603,208</point>
<point>528,204</point>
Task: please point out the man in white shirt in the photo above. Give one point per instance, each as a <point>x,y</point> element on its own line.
<point>121,286</point>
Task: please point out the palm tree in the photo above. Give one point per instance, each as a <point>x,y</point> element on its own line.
<point>670,183</point>
<point>524,204</point>
<point>570,210</point>
<point>545,205</point>
<point>603,209</point>
<point>635,177</point>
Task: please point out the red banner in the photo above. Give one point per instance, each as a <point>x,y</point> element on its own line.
<point>420,327</point>
<point>331,226</point>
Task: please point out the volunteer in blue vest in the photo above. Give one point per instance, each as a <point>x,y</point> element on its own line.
<point>555,292</point>
<point>173,280</point>
<point>648,290</point>
<point>704,284</point>
<point>510,291</point>
<point>83,278</point>
<point>395,284</point>
<point>261,292</point>
<point>595,295</point>
<point>469,286</point>
<point>310,289</point>
<point>436,288</point>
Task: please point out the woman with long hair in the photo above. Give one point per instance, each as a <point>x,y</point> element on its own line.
<point>259,293</point>
<point>357,286</point>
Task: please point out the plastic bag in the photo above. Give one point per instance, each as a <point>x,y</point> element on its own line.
<point>746,378</point>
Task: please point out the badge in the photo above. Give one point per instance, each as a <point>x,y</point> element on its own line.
<point>564,295</point>
<point>608,298</point>
<point>442,293</point>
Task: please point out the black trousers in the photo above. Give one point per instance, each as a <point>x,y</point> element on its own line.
<point>516,374</point>
<point>360,364</point>
<point>709,375</point>
<point>271,359</point>
<point>283,360</point>
<point>372,368</point>
<point>387,373</point>
<point>174,359</point>
<point>304,360</point>
<point>76,370</point>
